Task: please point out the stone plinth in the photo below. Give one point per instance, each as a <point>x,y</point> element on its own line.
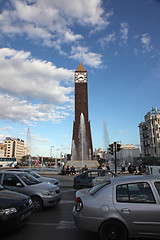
<point>93,164</point>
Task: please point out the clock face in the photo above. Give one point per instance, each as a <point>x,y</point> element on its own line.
<point>81,77</point>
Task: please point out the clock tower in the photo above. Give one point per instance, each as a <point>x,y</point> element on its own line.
<point>81,109</point>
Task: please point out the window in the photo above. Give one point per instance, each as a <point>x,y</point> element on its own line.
<point>28,179</point>
<point>10,180</point>
<point>157,185</point>
<point>0,176</point>
<point>93,174</point>
<point>97,187</point>
<point>135,193</point>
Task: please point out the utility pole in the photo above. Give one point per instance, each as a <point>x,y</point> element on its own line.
<point>115,156</point>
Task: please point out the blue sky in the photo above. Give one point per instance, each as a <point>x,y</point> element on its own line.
<point>42,44</point>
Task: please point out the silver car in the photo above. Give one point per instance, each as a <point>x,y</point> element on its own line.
<point>42,194</point>
<point>39,177</point>
<point>120,208</point>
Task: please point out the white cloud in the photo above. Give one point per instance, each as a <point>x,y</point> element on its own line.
<point>49,88</point>
<point>85,56</point>
<point>122,132</point>
<point>110,38</point>
<point>52,21</point>
<point>25,76</point>
<point>124,32</point>
<point>146,42</point>
<point>6,128</point>
<point>20,110</point>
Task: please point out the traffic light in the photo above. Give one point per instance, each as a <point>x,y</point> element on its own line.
<point>118,147</point>
<point>111,149</point>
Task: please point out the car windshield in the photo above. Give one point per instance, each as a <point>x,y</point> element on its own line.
<point>1,187</point>
<point>96,188</point>
<point>34,174</point>
<point>28,179</point>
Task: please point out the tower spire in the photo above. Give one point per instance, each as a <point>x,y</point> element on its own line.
<point>80,68</point>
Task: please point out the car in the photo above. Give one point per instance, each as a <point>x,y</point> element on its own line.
<point>15,209</point>
<point>120,208</point>
<point>39,177</point>
<point>85,179</point>
<point>42,194</point>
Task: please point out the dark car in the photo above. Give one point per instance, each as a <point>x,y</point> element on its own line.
<point>86,179</point>
<point>15,208</point>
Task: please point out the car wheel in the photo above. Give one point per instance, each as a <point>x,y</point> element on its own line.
<point>113,230</point>
<point>38,204</point>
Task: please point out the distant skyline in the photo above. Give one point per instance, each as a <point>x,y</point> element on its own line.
<point>42,44</point>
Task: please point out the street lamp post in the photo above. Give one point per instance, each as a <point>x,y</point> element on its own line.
<point>51,151</point>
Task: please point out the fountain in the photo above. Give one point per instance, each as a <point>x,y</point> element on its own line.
<point>83,140</point>
<point>84,157</point>
<point>73,152</point>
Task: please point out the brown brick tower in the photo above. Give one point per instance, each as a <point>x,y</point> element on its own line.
<point>81,106</point>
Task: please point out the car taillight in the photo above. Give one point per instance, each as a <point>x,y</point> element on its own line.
<point>79,204</point>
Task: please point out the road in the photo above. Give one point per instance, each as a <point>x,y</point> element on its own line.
<point>54,223</point>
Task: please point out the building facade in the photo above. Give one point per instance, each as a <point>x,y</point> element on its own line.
<point>81,140</point>
<point>128,153</point>
<point>14,147</point>
<point>150,134</point>
<point>2,150</point>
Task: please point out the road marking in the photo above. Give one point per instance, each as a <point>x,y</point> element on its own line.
<point>60,225</point>
<point>70,190</point>
<point>66,225</point>
<point>66,201</point>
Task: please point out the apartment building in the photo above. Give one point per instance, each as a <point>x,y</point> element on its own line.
<point>128,153</point>
<point>2,150</point>
<point>150,134</point>
<point>14,147</point>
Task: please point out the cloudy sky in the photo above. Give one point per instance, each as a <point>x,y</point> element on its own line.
<point>42,44</point>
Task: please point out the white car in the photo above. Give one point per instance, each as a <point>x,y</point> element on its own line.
<point>39,177</point>
<point>120,208</point>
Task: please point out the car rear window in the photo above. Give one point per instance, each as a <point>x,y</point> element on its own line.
<point>139,192</point>
<point>96,188</point>
<point>157,185</point>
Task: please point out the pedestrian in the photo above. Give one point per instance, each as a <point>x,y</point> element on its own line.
<point>73,170</point>
<point>68,170</point>
<point>134,168</point>
<point>107,167</point>
<point>100,167</point>
<point>103,167</point>
<point>123,169</point>
<point>63,170</point>
<point>85,168</point>
<point>130,170</point>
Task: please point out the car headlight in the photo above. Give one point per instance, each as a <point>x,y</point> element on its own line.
<point>30,202</point>
<point>7,211</point>
<point>50,193</point>
<point>48,182</point>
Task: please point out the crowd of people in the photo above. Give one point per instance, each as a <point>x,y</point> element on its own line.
<point>131,169</point>
<point>68,170</point>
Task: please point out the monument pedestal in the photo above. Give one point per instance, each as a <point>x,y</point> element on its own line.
<point>91,164</point>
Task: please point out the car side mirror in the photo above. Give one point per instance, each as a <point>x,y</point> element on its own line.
<point>19,185</point>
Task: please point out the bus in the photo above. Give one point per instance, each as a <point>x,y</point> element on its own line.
<point>8,162</point>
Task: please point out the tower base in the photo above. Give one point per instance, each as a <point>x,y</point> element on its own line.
<point>93,164</point>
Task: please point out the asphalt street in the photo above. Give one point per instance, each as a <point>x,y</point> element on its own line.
<point>54,223</point>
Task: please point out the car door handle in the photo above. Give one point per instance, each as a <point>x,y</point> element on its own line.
<point>125,210</point>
